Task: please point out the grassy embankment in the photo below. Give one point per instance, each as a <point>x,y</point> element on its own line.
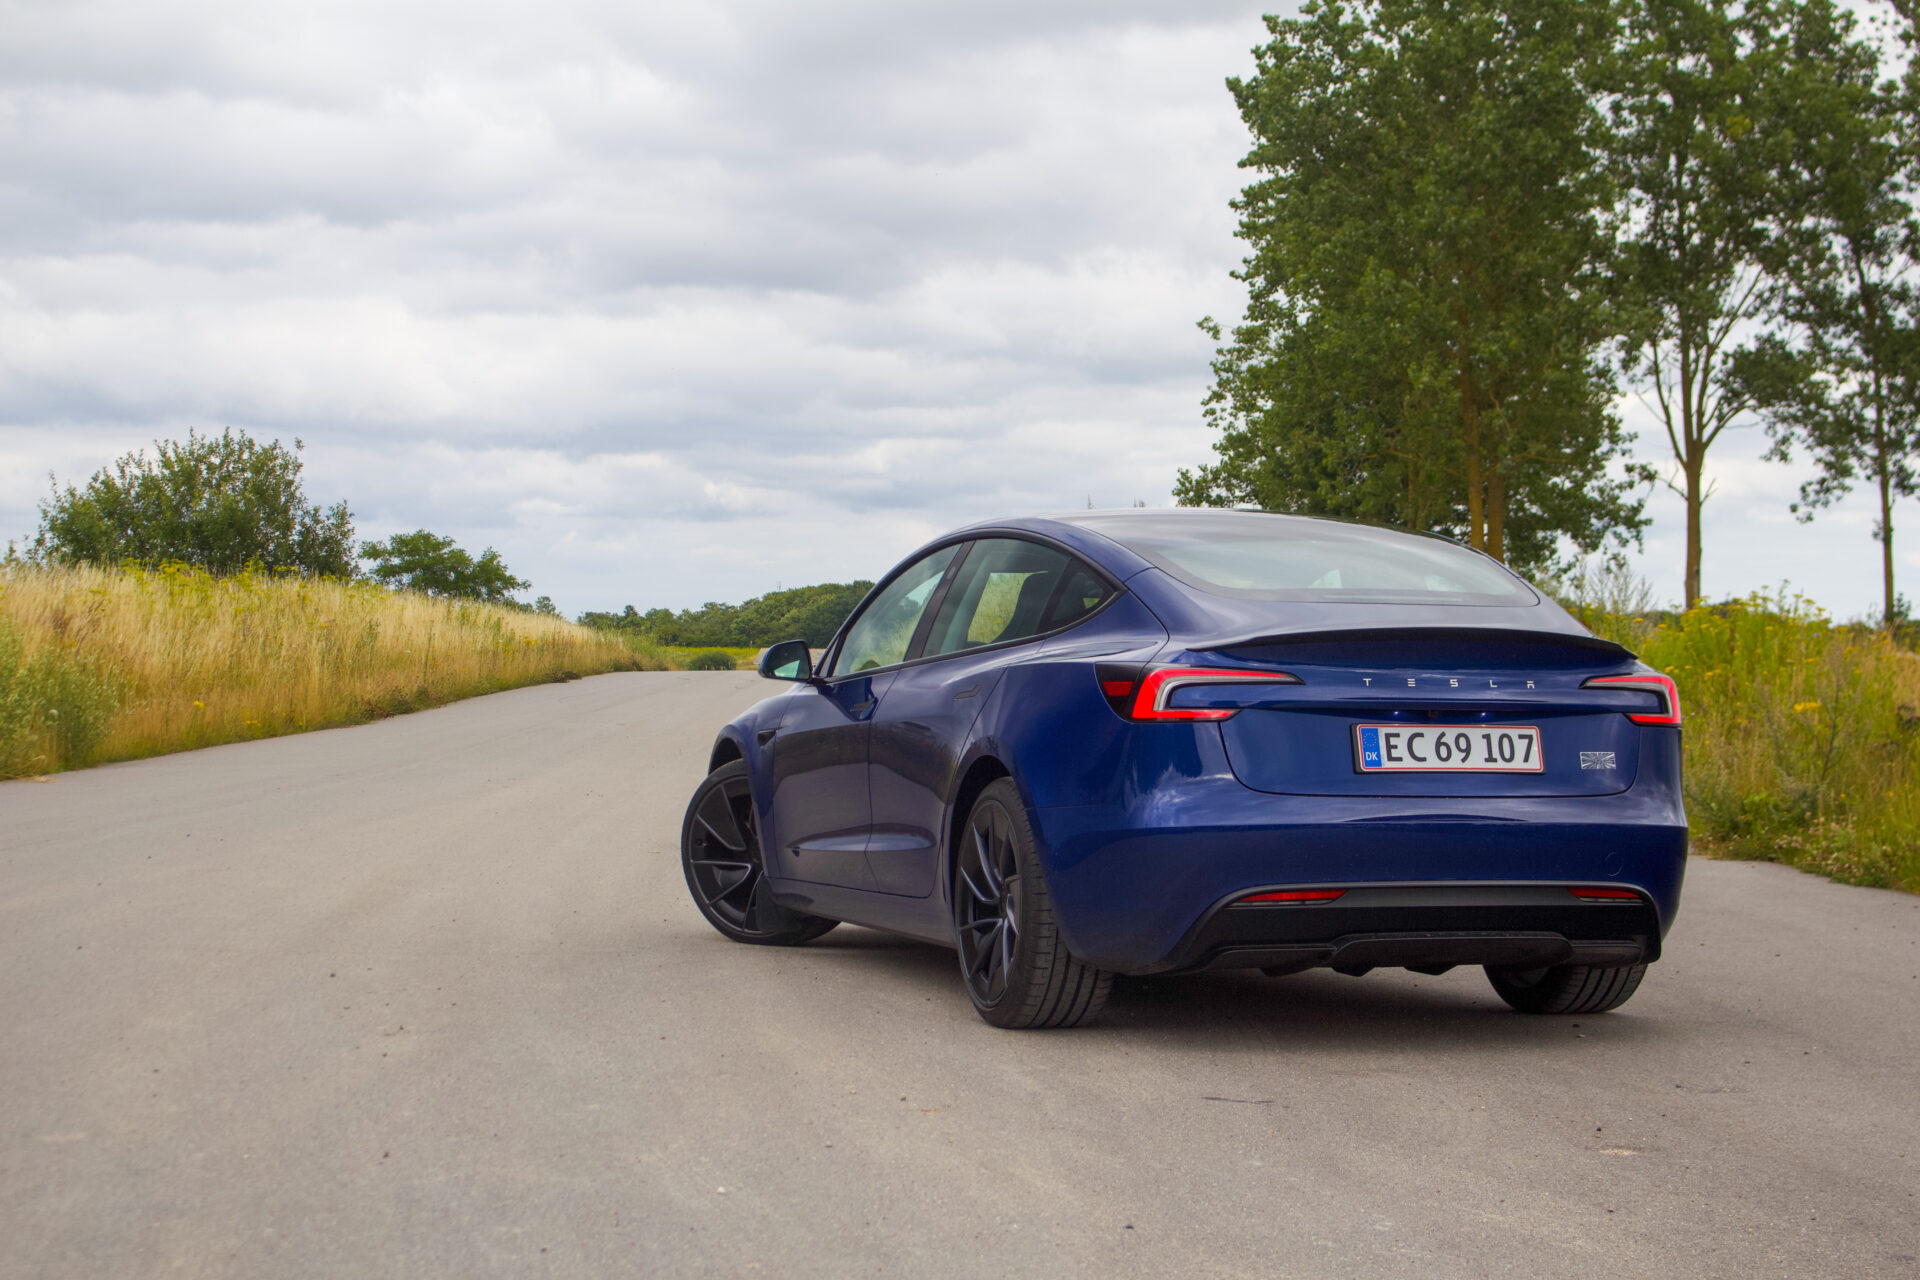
<point>108,664</point>
<point>687,656</point>
<point>1802,737</point>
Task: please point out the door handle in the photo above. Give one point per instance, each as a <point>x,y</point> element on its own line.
<point>966,693</point>
<point>765,736</point>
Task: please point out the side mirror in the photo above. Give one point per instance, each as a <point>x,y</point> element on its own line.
<point>788,660</point>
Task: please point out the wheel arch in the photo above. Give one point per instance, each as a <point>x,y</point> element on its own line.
<point>984,770</point>
<point>725,751</point>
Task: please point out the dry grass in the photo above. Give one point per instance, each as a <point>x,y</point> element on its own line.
<point>110,664</point>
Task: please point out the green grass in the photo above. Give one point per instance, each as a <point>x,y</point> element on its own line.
<point>682,657</point>
<point>1802,737</point>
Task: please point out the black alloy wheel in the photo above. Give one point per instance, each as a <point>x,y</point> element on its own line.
<point>1018,971</point>
<point>720,853</point>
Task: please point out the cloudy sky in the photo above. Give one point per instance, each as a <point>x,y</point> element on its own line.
<point>668,302</point>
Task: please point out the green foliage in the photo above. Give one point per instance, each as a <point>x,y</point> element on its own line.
<point>1802,738</point>
<point>219,502</point>
<point>1843,382</point>
<point>812,614</point>
<point>54,707</point>
<point>435,566</point>
<point>710,660</point>
<point>1696,93</point>
<point>1428,306</point>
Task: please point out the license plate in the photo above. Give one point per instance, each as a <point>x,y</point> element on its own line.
<point>1403,748</point>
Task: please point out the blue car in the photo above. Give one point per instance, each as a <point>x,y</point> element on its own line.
<point>1161,741</point>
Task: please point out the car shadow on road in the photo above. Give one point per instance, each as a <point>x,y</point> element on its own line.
<point>1389,1008</point>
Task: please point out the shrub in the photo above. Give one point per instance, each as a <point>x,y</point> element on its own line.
<point>54,707</point>
<point>710,660</point>
<point>220,502</point>
<point>1802,738</point>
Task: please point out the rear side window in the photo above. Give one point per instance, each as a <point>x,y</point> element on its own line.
<point>1078,596</point>
<point>1011,590</point>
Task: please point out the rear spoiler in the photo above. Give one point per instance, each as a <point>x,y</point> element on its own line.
<point>1497,635</point>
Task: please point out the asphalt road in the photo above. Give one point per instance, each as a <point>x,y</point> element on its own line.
<point>427,998</point>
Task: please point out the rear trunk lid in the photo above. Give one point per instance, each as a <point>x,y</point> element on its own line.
<point>1455,689</point>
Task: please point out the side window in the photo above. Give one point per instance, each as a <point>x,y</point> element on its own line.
<point>880,635</point>
<point>1005,591</point>
<point>1082,594</point>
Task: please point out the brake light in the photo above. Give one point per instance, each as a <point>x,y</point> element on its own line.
<point>1158,687</point>
<point>1292,895</point>
<point>1669,692</point>
<point>1604,893</point>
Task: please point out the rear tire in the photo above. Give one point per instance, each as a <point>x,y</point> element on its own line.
<point>1018,971</point>
<point>1567,988</point>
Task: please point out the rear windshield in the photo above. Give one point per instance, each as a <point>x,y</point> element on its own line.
<point>1271,557</point>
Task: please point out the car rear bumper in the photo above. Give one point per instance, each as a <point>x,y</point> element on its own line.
<point>1423,926</point>
<point>1146,887</point>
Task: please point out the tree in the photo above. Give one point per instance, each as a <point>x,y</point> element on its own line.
<point>1427,304</point>
<point>1696,97</point>
<point>1848,390</point>
<point>220,502</point>
<point>809,613</point>
<point>435,566</point>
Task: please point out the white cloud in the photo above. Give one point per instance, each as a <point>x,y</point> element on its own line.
<point>669,303</point>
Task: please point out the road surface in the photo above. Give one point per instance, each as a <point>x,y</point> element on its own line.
<point>427,998</point>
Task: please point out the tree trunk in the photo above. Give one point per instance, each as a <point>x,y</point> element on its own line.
<point>1694,464</point>
<point>1476,479</point>
<point>1497,515</point>
<point>1882,464</point>
<point>1886,548</point>
<point>1883,473</point>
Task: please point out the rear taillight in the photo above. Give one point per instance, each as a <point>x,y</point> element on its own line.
<point>1669,713</point>
<point>1146,696</point>
<point>1604,893</point>
<point>1290,895</point>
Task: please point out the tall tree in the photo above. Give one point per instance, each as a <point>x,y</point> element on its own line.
<point>221,502</point>
<point>1427,301</point>
<point>1695,94</point>
<point>1846,386</point>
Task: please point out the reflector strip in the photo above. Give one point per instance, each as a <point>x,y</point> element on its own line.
<point>1650,683</point>
<point>1605,894</point>
<point>1294,895</point>
<point>1159,686</point>
<point>1116,688</point>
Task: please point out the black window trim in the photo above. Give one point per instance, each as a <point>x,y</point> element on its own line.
<point>914,656</point>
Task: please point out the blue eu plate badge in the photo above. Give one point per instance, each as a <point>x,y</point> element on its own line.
<point>1370,748</point>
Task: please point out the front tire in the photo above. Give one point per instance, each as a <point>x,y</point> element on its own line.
<point>1018,971</point>
<point>1567,988</point>
<point>726,873</point>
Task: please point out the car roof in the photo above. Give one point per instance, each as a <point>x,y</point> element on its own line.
<point>1205,619</point>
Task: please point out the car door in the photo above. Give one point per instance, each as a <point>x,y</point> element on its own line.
<point>822,811</point>
<point>1004,595</point>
